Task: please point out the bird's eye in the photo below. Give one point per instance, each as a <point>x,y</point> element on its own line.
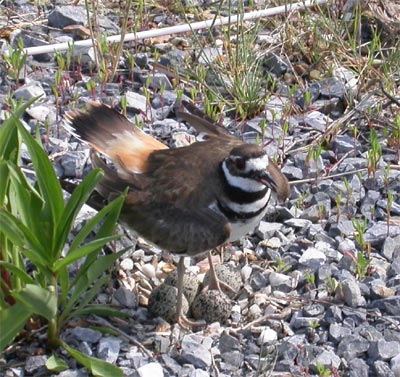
<point>240,163</point>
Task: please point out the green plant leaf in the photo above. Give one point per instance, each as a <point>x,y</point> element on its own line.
<point>49,187</point>
<point>22,275</point>
<point>86,278</point>
<point>20,235</point>
<point>78,198</point>
<point>56,364</point>
<point>28,200</point>
<point>106,330</point>
<point>112,208</point>
<point>96,366</point>
<point>12,320</point>
<point>109,225</point>
<point>76,254</point>
<point>63,278</point>
<point>93,291</point>
<point>9,141</point>
<point>38,300</point>
<point>4,181</point>
<point>109,216</point>
<point>101,310</point>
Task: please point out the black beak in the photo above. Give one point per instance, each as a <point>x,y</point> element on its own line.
<point>276,181</point>
<point>266,179</point>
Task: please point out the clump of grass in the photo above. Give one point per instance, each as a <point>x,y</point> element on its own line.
<point>235,77</point>
<point>15,62</point>
<point>107,55</point>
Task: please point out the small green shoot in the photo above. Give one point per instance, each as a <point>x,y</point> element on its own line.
<point>322,370</point>
<point>15,61</point>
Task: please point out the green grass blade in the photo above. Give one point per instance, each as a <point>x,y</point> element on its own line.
<point>93,291</point>
<point>83,251</point>
<point>38,300</point>
<point>27,199</point>
<point>9,142</point>
<point>96,366</point>
<point>109,223</point>
<point>20,235</point>
<point>56,364</point>
<point>22,275</point>
<point>78,198</point>
<point>112,209</point>
<point>63,278</point>
<point>4,181</point>
<point>49,187</point>
<point>101,310</point>
<point>86,278</point>
<point>12,320</point>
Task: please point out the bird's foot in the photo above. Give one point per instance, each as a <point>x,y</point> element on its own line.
<point>221,287</point>
<point>186,323</point>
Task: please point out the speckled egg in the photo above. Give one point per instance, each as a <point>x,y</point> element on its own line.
<point>211,306</point>
<point>227,274</point>
<point>163,301</point>
<point>191,284</point>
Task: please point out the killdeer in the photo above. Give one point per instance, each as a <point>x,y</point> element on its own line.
<point>187,200</point>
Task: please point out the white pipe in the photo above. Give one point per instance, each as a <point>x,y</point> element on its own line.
<point>179,28</point>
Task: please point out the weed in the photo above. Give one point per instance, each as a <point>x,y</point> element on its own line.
<point>35,225</point>
<point>310,278</point>
<point>375,153</point>
<point>362,263</point>
<point>322,370</point>
<point>360,229</point>
<point>15,62</point>
<point>338,201</point>
<point>281,266</point>
<point>331,285</point>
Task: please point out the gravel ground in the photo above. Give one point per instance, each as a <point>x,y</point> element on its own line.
<point>305,303</point>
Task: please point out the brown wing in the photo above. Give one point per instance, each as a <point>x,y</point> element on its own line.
<point>177,229</point>
<point>110,133</point>
<point>201,122</point>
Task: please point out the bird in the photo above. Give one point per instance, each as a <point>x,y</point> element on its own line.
<point>187,200</point>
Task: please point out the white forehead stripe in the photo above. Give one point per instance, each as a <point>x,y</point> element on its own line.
<point>246,184</point>
<point>257,164</point>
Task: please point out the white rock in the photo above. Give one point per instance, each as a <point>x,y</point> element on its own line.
<point>273,243</point>
<point>395,365</point>
<point>260,298</point>
<point>312,254</point>
<point>151,370</point>
<point>148,270</point>
<point>267,335</point>
<point>254,311</point>
<point>39,112</point>
<point>275,278</point>
<point>246,272</point>
<point>127,264</point>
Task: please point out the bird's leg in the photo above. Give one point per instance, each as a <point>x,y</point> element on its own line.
<point>221,249</point>
<point>215,283</point>
<point>182,320</point>
<point>181,273</point>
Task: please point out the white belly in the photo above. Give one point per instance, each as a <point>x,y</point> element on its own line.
<point>242,228</point>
